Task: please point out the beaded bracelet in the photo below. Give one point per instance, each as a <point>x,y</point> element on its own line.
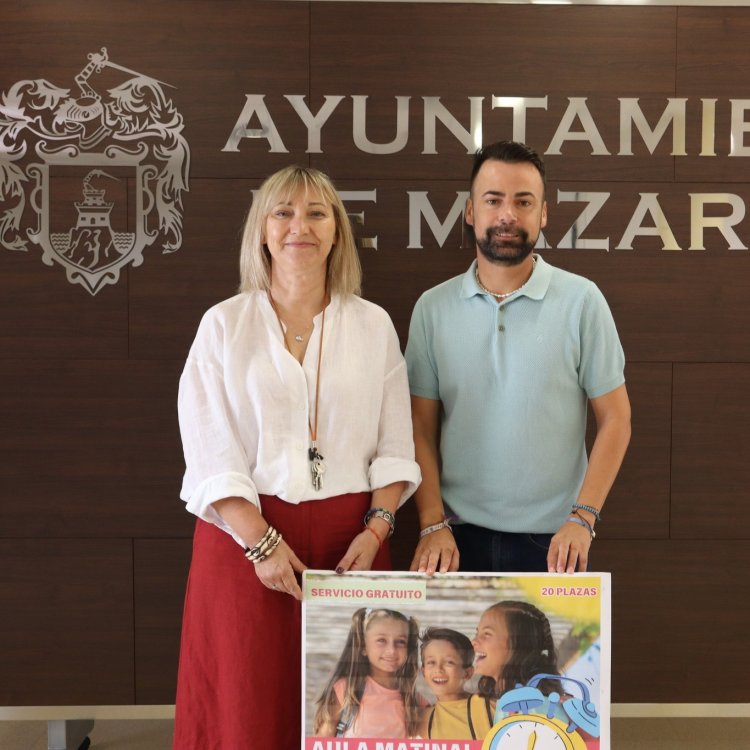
<point>267,544</point>
<point>273,546</point>
<point>594,511</point>
<point>262,549</point>
<point>386,515</point>
<point>582,522</point>
<point>263,543</point>
<point>261,555</point>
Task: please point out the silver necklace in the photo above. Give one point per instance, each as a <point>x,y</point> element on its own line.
<point>504,295</point>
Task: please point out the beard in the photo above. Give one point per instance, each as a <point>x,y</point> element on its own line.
<point>506,252</point>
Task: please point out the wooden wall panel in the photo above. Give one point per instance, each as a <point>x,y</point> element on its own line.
<point>209,54</point>
<point>67,621</point>
<point>452,45</point>
<point>160,575</point>
<point>91,449</point>
<point>679,614</point>
<point>712,64</point>
<point>670,308</point>
<point>710,51</point>
<point>171,292</point>
<point>93,464</point>
<point>395,275</point>
<point>483,50</point>
<point>41,315</point>
<point>711,451</point>
<point>639,505</point>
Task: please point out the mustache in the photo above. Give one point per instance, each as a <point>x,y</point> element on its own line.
<point>495,232</point>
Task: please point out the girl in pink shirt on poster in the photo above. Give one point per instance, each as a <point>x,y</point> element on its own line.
<point>372,690</point>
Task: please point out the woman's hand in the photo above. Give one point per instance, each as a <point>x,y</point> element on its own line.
<point>278,571</point>
<point>361,552</point>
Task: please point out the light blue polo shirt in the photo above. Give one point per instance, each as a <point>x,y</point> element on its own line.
<point>514,378</point>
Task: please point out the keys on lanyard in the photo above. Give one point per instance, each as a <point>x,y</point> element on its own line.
<point>317,467</point>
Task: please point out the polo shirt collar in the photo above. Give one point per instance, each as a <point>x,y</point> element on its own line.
<point>535,288</point>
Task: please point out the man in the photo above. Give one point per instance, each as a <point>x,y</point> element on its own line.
<point>502,363</point>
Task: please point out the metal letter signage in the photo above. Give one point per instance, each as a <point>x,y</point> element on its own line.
<point>87,144</point>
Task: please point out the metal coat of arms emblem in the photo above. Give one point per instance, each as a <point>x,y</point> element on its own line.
<point>92,179</point>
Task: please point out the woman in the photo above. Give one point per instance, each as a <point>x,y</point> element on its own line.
<point>295,421</point>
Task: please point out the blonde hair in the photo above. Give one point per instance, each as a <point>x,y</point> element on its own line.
<point>344,274</point>
<point>352,667</point>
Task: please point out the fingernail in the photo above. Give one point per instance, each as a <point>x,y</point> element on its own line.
<point>339,570</point>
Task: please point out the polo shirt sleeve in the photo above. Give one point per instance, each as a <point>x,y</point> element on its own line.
<point>602,365</point>
<point>420,362</point>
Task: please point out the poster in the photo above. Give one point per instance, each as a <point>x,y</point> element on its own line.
<point>458,661</point>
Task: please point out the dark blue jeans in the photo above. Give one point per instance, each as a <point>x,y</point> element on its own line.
<point>484,550</point>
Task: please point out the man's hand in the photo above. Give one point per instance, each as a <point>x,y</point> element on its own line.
<point>436,552</point>
<point>569,549</point>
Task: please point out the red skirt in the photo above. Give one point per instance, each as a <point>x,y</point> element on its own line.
<point>239,681</point>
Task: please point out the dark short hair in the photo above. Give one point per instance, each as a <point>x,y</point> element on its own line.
<point>511,152</point>
<point>458,640</point>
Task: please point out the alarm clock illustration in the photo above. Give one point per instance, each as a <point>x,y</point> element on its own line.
<point>523,730</point>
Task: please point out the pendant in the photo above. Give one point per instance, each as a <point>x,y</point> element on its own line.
<point>299,338</point>
<point>317,467</point>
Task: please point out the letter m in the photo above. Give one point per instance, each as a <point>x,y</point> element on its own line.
<point>420,206</point>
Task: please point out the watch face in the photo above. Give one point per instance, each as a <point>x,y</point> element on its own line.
<point>531,733</point>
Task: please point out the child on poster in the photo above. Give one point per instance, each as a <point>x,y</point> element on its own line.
<point>515,654</point>
<point>447,659</point>
<point>513,643</point>
<point>372,692</point>
<point>541,645</point>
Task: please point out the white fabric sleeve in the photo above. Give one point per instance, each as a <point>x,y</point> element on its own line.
<point>216,464</point>
<point>394,461</point>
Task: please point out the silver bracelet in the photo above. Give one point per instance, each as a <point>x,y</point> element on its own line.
<point>386,515</point>
<point>444,524</point>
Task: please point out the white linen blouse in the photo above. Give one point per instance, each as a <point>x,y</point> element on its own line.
<point>244,404</point>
